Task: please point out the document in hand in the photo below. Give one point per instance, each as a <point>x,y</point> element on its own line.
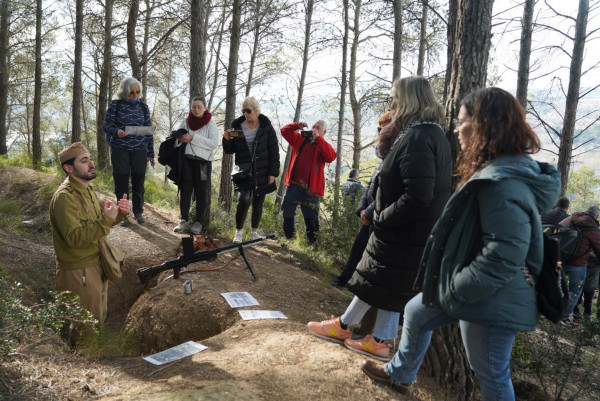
<point>140,130</point>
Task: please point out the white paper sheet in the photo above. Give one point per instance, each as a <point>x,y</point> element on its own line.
<point>140,130</point>
<point>175,353</point>
<point>239,299</point>
<point>261,314</point>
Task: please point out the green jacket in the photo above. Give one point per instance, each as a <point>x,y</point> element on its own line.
<point>472,266</point>
<point>75,231</point>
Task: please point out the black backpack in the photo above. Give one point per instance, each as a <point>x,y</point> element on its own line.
<point>551,288</point>
<point>167,152</point>
<point>570,238</point>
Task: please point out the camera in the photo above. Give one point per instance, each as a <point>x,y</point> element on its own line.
<point>236,133</point>
<point>306,134</point>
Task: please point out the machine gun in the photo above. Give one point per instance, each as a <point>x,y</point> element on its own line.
<point>189,256</point>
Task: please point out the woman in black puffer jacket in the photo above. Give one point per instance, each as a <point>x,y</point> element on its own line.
<point>257,152</point>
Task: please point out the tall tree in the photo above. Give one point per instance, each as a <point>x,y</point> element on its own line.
<point>77,91</point>
<point>37,97</point>
<point>525,52</point>
<point>469,42</point>
<point>198,31</point>
<point>566,138</point>
<point>136,68</point>
<point>352,82</point>
<point>104,86</point>
<point>309,8</point>
<point>397,4</point>
<point>4,35</point>
<point>234,47</point>
<point>422,38</point>
<point>343,88</point>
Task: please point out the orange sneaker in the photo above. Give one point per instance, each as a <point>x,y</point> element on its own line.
<point>368,346</point>
<point>330,330</point>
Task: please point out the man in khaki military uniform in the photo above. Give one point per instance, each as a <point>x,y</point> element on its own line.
<point>78,219</point>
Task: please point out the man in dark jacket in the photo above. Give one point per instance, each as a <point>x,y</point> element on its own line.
<point>576,268</point>
<point>557,214</point>
<point>352,186</point>
<point>305,176</point>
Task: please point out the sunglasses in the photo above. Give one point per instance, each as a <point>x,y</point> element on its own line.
<point>135,92</point>
<point>246,111</point>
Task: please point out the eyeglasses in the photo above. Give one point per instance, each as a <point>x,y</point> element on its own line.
<point>456,122</point>
<point>135,92</point>
<point>246,111</point>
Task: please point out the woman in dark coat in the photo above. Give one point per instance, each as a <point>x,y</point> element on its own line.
<point>256,152</point>
<point>412,188</point>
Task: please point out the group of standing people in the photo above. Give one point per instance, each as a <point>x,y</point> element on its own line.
<point>436,258</point>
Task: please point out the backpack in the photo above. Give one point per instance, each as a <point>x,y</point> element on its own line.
<point>551,289</point>
<point>167,152</point>
<point>569,239</point>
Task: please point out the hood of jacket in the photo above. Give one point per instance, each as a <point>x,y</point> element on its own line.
<point>542,178</point>
<point>584,219</point>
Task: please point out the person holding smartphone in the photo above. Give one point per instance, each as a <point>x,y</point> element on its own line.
<point>305,176</point>
<point>257,159</point>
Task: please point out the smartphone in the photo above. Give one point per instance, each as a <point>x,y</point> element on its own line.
<point>236,133</point>
<point>306,134</point>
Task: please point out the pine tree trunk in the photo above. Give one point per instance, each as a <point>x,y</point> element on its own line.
<point>422,38</point>
<point>136,69</point>
<point>103,90</point>
<point>397,39</point>
<point>4,34</point>
<point>37,96</point>
<point>354,103</point>
<point>225,189</point>
<point>525,53</point>
<point>565,149</point>
<point>77,93</point>
<point>255,44</point>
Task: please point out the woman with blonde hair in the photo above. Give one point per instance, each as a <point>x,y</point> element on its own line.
<point>483,249</point>
<point>412,188</point>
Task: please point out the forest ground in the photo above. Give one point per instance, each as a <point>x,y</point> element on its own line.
<point>245,360</point>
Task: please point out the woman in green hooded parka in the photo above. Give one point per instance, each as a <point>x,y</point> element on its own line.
<point>485,243</point>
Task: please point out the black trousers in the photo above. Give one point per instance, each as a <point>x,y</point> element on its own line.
<point>195,181</point>
<point>245,199</point>
<point>358,248</point>
<point>126,163</point>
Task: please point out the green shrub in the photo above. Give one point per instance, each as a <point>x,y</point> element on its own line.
<point>10,212</point>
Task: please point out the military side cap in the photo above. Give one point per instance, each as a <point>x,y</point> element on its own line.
<point>71,152</point>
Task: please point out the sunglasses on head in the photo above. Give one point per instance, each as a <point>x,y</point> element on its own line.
<point>246,111</point>
<point>135,92</point>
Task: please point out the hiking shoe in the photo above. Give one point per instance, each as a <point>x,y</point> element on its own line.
<point>565,322</point>
<point>140,218</point>
<point>182,227</point>
<point>126,223</point>
<point>330,330</point>
<point>256,235</point>
<point>368,346</point>
<point>237,238</point>
<point>376,371</point>
<point>196,228</point>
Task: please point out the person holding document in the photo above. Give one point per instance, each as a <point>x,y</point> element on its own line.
<point>131,146</point>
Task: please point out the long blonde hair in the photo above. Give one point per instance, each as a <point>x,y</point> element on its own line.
<point>415,101</point>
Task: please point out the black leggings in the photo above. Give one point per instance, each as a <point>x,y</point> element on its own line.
<point>244,203</point>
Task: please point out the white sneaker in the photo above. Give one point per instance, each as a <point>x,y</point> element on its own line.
<point>196,228</point>
<point>182,227</point>
<point>237,238</point>
<point>256,235</point>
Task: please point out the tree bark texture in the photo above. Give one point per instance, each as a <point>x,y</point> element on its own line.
<point>37,95</point>
<point>343,87</point>
<point>198,79</point>
<point>423,38</point>
<point>136,69</point>
<point>525,52</point>
<point>77,93</point>
<point>354,102</point>
<point>397,39</point>
<point>255,44</point>
<point>234,47</point>
<point>4,34</point>
<point>197,48</point>
<point>469,41</point>
<point>565,149</point>
<point>307,30</point>
<point>221,30</point>
<point>103,88</point>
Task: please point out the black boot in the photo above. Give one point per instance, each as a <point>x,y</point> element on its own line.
<point>288,227</point>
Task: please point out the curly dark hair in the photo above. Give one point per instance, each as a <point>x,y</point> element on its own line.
<point>498,128</point>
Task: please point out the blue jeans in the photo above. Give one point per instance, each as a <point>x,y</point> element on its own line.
<point>576,275</point>
<point>386,325</point>
<point>488,349</point>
